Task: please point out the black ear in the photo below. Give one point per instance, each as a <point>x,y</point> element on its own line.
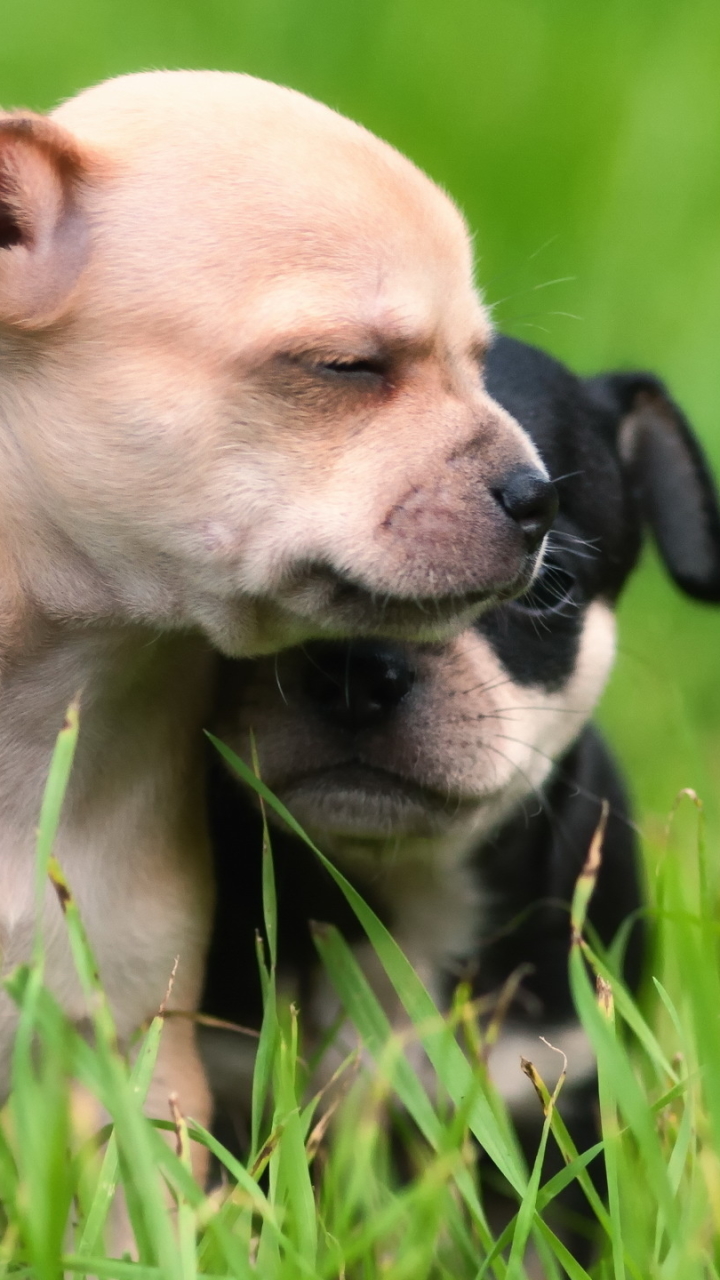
<point>670,478</point>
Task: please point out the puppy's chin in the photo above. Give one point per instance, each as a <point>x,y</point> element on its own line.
<point>319,603</point>
<point>250,627</point>
<point>358,805</point>
<point>332,604</point>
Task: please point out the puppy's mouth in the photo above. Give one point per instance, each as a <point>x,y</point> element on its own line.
<point>362,802</point>
<point>339,605</point>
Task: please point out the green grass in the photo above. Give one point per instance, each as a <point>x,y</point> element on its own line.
<point>320,1203</point>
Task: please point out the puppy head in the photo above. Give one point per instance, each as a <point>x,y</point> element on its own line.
<point>413,751</point>
<point>250,392</point>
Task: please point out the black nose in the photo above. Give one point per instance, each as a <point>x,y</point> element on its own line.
<point>531,501</point>
<point>357,685</point>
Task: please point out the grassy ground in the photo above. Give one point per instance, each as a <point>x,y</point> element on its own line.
<point>304,1207</point>
<point>582,143</point>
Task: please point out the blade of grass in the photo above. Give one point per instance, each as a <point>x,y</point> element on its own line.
<point>186,1225</point>
<point>364,1010</point>
<point>132,1133</point>
<point>140,1078</point>
<point>51,813</point>
<point>526,1213</point>
<point>448,1060</point>
<point>294,1172</point>
<point>611,1140</point>
<point>41,1054</point>
<point>143,1193</point>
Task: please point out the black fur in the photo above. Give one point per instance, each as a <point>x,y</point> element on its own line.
<point>609,488</point>
<point>528,872</point>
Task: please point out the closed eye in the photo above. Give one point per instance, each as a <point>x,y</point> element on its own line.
<point>362,367</point>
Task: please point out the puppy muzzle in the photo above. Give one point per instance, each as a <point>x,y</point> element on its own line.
<point>437,567</point>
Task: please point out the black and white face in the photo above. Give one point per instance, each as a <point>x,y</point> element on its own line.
<point>412,751</point>
<point>392,751</point>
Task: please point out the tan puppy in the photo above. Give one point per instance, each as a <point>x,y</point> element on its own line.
<point>241,402</point>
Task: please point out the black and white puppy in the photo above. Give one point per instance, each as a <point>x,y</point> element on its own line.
<point>459,785</point>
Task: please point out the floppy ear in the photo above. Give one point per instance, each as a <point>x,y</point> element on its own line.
<point>671,479</point>
<point>43,238</point>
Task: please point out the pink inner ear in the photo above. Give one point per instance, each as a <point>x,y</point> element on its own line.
<point>42,230</point>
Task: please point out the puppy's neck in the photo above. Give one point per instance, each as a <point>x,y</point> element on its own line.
<point>42,575</point>
<point>139,694</point>
<point>66,631</point>
<point>46,569</point>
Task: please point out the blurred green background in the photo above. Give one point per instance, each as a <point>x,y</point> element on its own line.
<point>582,140</point>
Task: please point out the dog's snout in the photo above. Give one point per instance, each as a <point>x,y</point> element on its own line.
<point>531,500</point>
<point>360,685</point>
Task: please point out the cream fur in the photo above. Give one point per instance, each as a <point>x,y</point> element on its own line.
<point>181,255</point>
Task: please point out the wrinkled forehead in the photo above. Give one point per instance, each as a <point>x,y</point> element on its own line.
<point>363,244</point>
<point>241,186</point>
